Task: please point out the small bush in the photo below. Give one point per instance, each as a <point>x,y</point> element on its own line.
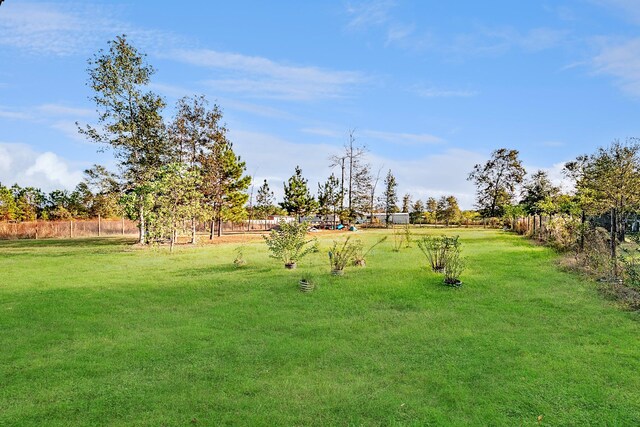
<point>436,249</point>
<point>453,267</point>
<point>289,243</point>
<point>342,254</point>
<point>361,255</point>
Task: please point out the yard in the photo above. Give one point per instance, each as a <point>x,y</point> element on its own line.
<point>99,332</point>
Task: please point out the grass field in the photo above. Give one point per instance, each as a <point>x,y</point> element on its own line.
<point>97,332</point>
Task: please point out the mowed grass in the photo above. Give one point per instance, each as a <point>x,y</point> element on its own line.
<point>96,332</point>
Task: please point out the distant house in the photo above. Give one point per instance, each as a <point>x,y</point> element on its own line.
<point>394,218</point>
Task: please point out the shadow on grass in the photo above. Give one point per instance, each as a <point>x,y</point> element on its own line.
<point>67,243</point>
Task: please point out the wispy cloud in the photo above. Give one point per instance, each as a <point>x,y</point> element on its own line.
<point>487,41</point>
<point>69,28</point>
<point>621,60</point>
<point>13,115</point>
<point>628,9</point>
<point>63,110</point>
<point>403,138</point>
<point>365,14</point>
<point>400,138</point>
<point>261,77</point>
<point>433,92</point>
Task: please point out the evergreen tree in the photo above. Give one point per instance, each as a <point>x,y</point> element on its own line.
<point>297,199</point>
<point>406,203</point>
<point>417,212</point>
<point>390,196</point>
<point>329,197</point>
<point>264,200</point>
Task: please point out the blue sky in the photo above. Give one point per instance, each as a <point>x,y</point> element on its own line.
<point>430,87</point>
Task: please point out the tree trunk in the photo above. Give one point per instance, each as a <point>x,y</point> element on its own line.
<point>583,220</point>
<point>193,231</point>
<point>219,226</point>
<point>99,226</point>
<point>211,230</point>
<point>142,226</point>
<point>614,242</point>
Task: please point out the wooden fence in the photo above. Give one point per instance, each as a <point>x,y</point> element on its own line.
<point>99,227</point>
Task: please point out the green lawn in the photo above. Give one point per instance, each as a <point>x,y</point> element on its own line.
<point>96,332</point>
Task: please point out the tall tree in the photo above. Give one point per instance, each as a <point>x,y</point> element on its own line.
<point>417,212</point>
<point>264,200</point>
<point>355,176</point>
<point>199,141</point>
<point>224,183</point>
<point>406,203</point>
<point>449,209</point>
<point>129,118</point>
<point>496,180</point>
<point>329,197</point>
<point>390,196</point>
<point>297,198</point>
<point>610,181</point>
<point>431,206</point>
<point>535,189</point>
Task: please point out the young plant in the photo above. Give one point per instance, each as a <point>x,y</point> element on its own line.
<point>239,260</point>
<point>408,236</point>
<point>289,243</point>
<point>307,283</point>
<point>436,250</point>
<point>342,255</point>
<point>360,256</point>
<point>398,239</point>
<point>453,267</point>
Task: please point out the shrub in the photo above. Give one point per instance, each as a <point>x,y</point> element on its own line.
<point>436,249</point>
<point>289,243</point>
<point>342,255</point>
<point>239,260</point>
<point>631,271</point>
<point>398,239</point>
<point>453,267</point>
<point>361,255</point>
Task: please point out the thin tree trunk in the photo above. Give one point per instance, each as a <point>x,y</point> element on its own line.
<point>614,241</point>
<point>99,226</point>
<point>193,231</point>
<point>220,227</point>
<point>211,230</point>
<point>142,226</point>
<point>583,220</point>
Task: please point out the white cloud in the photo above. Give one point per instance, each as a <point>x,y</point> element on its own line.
<point>403,138</point>
<point>63,110</point>
<point>14,115</point>
<point>628,9</point>
<point>264,78</point>
<point>68,28</point>
<point>621,60</point>
<point>369,13</point>
<point>433,92</point>
<point>19,163</point>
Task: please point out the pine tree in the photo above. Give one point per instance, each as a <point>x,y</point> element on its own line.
<point>390,196</point>
<point>297,198</point>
